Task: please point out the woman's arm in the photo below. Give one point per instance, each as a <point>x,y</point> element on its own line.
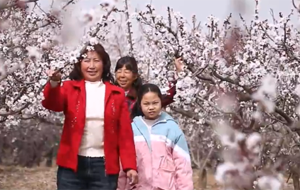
<point>126,141</point>
<point>169,97</point>
<point>182,160</point>
<point>54,96</point>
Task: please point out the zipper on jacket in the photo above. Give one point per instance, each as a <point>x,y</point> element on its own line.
<point>151,154</point>
<point>150,131</point>
<point>158,122</point>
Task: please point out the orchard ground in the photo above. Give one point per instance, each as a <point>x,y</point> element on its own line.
<point>12,178</point>
<point>37,178</point>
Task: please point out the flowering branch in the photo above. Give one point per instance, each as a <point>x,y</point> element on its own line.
<point>129,26</point>
<point>16,3</point>
<point>241,156</point>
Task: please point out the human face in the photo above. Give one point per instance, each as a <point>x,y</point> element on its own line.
<point>125,78</point>
<point>92,67</point>
<point>151,105</point>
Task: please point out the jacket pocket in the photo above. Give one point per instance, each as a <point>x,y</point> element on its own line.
<point>166,173</point>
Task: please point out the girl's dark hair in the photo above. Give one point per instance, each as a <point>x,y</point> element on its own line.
<point>137,110</point>
<point>130,64</point>
<point>76,73</point>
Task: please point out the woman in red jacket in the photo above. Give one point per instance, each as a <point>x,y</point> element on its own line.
<point>127,77</point>
<point>97,130</point>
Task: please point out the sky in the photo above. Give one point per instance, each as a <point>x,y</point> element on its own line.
<point>218,8</point>
<point>203,8</point>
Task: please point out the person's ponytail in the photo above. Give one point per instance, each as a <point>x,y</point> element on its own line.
<point>136,110</point>
<point>138,82</point>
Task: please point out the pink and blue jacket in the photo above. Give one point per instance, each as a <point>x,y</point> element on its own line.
<point>163,160</point>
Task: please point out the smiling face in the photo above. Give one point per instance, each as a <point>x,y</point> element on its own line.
<point>151,105</point>
<point>125,78</point>
<point>92,67</point>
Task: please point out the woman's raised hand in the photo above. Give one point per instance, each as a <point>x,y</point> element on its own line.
<point>179,64</point>
<point>54,75</point>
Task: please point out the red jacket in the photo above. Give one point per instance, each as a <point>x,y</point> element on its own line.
<point>118,136</point>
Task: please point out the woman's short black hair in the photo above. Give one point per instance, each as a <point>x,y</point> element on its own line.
<point>76,73</point>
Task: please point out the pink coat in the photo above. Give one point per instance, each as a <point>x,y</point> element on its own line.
<point>163,159</point>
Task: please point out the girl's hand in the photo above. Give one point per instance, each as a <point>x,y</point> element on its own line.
<point>54,75</point>
<point>179,64</point>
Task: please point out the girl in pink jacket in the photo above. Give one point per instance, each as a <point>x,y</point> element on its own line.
<point>163,159</point>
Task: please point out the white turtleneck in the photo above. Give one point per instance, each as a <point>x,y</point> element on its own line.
<point>92,139</point>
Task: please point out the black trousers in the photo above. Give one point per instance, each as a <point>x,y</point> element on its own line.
<point>89,176</point>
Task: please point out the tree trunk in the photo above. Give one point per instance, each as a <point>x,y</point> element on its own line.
<point>295,178</point>
<point>203,179</point>
<point>49,156</point>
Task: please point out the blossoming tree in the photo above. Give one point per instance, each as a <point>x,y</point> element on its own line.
<point>246,74</point>
<point>240,81</point>
<point>33,40</point>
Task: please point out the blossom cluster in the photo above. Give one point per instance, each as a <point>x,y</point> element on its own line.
<point>241,156</point>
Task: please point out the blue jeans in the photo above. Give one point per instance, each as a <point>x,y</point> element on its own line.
<point>89,176</point>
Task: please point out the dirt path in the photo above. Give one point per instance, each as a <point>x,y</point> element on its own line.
<point>39,178</point>
<point>43,178</point>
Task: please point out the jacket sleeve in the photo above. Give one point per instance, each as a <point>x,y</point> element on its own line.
<point>54,98</point>
<point>181,157</point>
<point>126,141</point>
<point>168,98</point>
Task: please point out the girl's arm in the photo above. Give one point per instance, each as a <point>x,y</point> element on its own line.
<point>182,160</point>
<point>54,96</point>
<point>122,181</point>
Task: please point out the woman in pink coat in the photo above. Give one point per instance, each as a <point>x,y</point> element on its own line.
<point>163,160</point>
